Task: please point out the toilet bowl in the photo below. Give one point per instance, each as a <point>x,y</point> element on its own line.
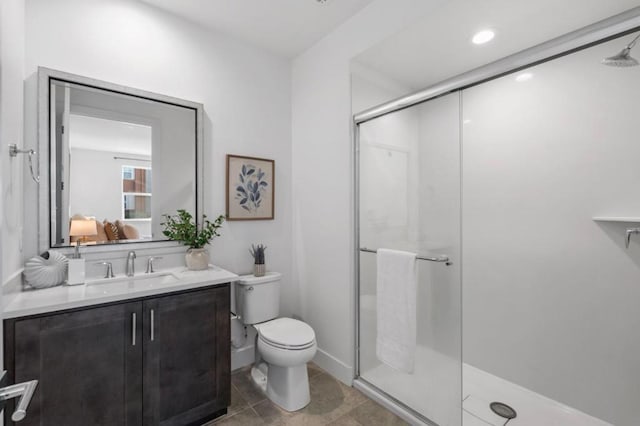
<point>283,345</point>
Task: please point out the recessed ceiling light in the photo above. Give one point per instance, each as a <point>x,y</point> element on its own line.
<point>524,77</point>
<point>482,37</point>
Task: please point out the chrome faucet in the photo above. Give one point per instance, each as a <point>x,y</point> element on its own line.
<point>131,264</point>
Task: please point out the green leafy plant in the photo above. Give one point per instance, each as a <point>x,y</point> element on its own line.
<point>182,227</point>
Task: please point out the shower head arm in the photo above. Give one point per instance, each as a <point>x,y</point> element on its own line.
<point>633,42</point>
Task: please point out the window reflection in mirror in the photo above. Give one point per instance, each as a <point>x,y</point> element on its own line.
<point>136,193</point>
<point>119,159</point>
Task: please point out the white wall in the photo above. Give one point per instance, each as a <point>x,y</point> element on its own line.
<point>246,93</point>
<point>323,231</point>
<point>550,296</point>
<point>11,122</point>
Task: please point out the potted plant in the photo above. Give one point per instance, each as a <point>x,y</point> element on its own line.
<point>259,268</point>
<point>182,227</point>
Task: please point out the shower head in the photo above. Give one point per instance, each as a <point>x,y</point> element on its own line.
<point>624,58</point>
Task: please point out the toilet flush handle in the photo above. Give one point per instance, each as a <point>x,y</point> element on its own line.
<point>249,289</point>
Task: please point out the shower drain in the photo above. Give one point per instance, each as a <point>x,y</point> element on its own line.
<point>503,410</point>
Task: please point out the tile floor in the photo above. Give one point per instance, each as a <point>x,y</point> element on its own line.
<point>332,403</point>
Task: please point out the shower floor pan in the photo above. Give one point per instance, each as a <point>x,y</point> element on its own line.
<point>480,389</point>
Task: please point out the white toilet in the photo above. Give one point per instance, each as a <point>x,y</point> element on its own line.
<point>284,345</point>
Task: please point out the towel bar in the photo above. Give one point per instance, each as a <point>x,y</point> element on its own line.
<point>443,259</point>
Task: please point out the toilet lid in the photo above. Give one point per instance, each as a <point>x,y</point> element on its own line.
<point>287,332</point>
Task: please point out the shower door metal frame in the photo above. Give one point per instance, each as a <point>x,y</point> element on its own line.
<point>591,35</point>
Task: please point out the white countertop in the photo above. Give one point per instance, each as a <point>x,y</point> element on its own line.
<point>96,292</point>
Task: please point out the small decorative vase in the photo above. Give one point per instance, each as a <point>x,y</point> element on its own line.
<point>259,269</point>
<point>197,259</point>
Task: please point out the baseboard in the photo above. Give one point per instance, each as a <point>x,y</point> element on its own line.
<point>334,366</point>
<point>242,357</point>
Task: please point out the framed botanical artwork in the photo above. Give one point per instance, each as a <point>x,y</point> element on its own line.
<point>250,188</point>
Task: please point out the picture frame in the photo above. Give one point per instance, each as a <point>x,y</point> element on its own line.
<point>250,188</point>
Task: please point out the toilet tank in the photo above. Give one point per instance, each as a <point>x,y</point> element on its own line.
<point>258,298</point>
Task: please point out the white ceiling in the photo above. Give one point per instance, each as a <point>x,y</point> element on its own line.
<point>285,27</point>
<point>119,137</point>
<point>439,46</point>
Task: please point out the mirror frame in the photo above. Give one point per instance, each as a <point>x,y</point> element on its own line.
<point>46,193</point>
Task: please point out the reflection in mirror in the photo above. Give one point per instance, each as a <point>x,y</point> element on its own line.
<point>119,159</point>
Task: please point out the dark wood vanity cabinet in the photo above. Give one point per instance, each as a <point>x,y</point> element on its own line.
<point>163,360</point>
<point>187,359</point>
<point>87,369</point>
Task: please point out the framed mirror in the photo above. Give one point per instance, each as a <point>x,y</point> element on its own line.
<point>116,158</point>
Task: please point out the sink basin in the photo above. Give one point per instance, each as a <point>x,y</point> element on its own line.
<point>124,283</point>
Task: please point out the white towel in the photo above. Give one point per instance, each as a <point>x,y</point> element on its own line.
<point>396,319</point>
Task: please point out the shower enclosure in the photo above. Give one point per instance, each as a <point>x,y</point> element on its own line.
<point>410,199</point>
<point>520,174</point>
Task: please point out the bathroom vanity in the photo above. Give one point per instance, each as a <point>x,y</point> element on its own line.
<point>148,350</point>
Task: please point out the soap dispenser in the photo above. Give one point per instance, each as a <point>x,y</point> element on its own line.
<point>76,271</point>
<point>81,227</point>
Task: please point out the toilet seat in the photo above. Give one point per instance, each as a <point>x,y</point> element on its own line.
<point>286,347</point>
<point>286,333</point>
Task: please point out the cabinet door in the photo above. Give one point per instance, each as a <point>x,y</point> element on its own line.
<point>87,364</point>
<point>187,357</point>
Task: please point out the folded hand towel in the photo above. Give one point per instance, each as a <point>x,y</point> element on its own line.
<point>396,309</point>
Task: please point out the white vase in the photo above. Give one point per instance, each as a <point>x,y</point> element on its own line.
<point>259,269</point>
<point>197,259</point>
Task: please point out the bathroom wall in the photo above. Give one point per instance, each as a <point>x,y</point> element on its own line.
<point>246,94</point>
<point>11,182</point>
<point>11,122</point>
<point>321,117</point>
<point>551,296</point>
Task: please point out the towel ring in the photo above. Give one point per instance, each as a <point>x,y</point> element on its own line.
<point>14,151</point>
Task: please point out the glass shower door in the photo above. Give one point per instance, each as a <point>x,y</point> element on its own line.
<point>409,199</point>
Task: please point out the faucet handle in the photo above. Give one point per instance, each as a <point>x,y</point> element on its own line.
<point>150,263</point>
<point>109,272</point>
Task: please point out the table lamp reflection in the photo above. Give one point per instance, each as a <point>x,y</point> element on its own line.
<point>82,228</point>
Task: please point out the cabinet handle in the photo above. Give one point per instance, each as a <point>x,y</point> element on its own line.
<point>133,329</point>
<point>153,326</point>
